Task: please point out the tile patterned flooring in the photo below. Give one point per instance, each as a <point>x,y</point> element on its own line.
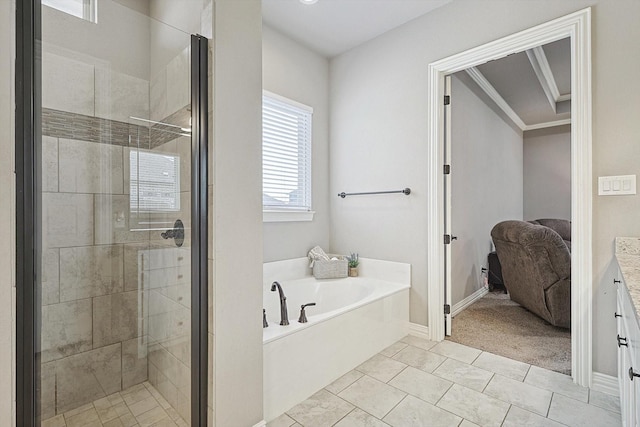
<point>137,406</point>
<point>416,382</point>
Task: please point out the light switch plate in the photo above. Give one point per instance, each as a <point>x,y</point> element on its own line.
<point>616,185</point>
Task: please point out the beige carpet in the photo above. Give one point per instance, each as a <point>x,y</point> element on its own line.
<point>500,326</point>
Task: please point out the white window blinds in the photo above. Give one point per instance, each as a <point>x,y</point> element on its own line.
<point>286,154</point>
<point>84,9</point>
<point>154,182</point>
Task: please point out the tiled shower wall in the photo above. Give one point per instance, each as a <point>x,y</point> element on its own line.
<point>109,294</point>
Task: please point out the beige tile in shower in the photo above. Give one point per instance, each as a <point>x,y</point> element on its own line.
<point>67,84</point>
<point>133,263</point>
<point>88,376</point>
<point>66,329</point>
<point>50,276</point>
<point>134,362</point>
<point>49,164</point>
<point>48,390</point>
<point>67,220</point>
<point>89,167</point>
<point>116,318</point>
<point>120,96</point>
<point>90,271</point>
<point>112,221</point>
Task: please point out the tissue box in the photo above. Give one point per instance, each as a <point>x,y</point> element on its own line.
<point>333,269</point>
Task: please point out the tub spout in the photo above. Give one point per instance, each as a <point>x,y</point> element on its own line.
<point>284,316</point>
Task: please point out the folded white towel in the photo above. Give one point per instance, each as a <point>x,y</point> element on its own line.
<point>317,253</point>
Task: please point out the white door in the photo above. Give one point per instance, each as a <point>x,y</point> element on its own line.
<point>448,238</point>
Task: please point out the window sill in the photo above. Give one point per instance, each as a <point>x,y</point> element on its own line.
<point>287,216</point>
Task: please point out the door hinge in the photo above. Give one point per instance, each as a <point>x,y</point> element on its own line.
<point>447,99</point>
<point>447,309</point>
<point>448,238</point>
<point>447,169</point>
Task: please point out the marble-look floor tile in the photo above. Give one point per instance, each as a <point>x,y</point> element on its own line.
<point>90,416</point>
<point>419,358</point>
<point>418,342</point>
<point>393,349</point>
<point>557,383</point>
<point>282,421</point>
<point>359,418</point>
<point>456,351</point>
<point>517,393</point>
<point>413,412</point>
<point>57,421</point>
<point>373,396</point>
<point>474,406</point>
<point>603,400</point>
<point>381,368</point>
<point>424,385</point>
<point>518,417</point>
<point>467,423</point>
<point>344,381</point>
<point>116,422</point>
<point>152,417</point>
<point>464,374</point>
<point>578,414</point>
<point>502,365</point>
<point>321,409</point>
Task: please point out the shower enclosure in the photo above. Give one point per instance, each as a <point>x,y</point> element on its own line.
<point>111,181</point>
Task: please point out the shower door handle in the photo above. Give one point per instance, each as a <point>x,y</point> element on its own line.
<point>176,233</point>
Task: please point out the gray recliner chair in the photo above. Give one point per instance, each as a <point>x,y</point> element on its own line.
<point>536,267</point>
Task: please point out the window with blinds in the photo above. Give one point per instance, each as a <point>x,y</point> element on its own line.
<point>84,9</point>
<point>154,182</point>
<point>286,154</point>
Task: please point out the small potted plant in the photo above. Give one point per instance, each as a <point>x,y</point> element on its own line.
<point>353,264</point>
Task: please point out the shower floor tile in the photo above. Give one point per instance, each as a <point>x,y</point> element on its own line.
<point>137,406</point>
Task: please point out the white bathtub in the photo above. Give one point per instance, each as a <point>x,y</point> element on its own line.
<point>354,319</point>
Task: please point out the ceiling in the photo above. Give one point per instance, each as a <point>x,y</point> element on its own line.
<point>526,86</point>
<point>332,27</point>
<point>515,80</point>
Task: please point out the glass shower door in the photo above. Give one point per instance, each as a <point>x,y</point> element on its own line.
<point>113,295</point>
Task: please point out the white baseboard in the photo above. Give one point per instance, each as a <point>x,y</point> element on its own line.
<point>419,331</point>
<point>262,423</point>
<point>605,383</point>
<point>457,308</point>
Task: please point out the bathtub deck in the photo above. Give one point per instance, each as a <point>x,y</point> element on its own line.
<point>416,379</point>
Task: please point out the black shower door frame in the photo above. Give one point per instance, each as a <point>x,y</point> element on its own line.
<point>28,161</point>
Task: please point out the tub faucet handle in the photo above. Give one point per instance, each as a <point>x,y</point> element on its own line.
<point>264,319</point>
<point>303,315</point>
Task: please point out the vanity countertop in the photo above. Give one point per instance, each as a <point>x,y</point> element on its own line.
<point>628,256</point>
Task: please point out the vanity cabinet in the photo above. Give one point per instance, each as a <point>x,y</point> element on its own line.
<point>628,342</point>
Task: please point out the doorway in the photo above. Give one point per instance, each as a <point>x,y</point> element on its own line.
<point>577,27</point>
<point>111,164</point>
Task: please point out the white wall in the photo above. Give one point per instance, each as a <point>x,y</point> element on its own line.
<point>295,72</point>
<point>7,215</point>
<point>98,43</point>
<point>486,187</point>
<point>379,132</point>
<point>547,173</point>
<point>237,204</point>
